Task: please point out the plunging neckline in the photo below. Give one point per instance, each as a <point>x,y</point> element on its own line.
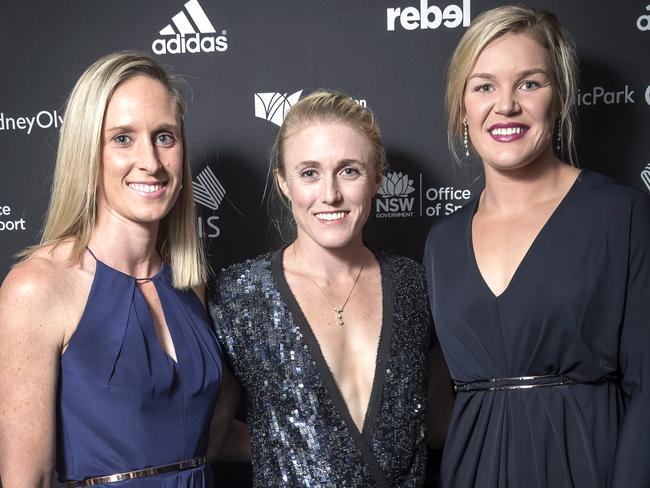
<point>316,353</point>
<point>544,229</point>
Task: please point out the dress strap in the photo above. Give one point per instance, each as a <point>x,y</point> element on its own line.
<point>91,253</point>
<point>137,280</point>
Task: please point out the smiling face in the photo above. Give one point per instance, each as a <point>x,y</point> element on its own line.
<point>510,103</point>
<point>142,153</point>
<point>329,180</point>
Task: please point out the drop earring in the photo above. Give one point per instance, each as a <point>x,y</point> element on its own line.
<point>465,137</point>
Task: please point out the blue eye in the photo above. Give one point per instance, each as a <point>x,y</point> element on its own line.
<point>530,85</point>
<point>351,172</point>
<point>484,88</point>
<point>122,139</point>
<point>166,139</point>
<point>308,173</point>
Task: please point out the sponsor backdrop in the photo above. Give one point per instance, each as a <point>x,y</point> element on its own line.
<point>246,63</point>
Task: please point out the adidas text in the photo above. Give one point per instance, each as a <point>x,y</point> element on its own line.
<point>428,16</point>
<point>190,44</point>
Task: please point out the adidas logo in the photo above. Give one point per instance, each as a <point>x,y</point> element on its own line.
<point>208,190</point>
<point>190,36</point>
<point>274,106</point>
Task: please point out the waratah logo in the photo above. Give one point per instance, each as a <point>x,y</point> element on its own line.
<point>645,176</point>
<point>396,185</point>
<point>190,36</point>
<point>208,190</point>
<point>274,106</point>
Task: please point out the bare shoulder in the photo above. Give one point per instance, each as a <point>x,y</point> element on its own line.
<point>200,291</point>
<point>41,292</point>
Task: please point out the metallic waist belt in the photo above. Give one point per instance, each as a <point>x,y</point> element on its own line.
<point>140,473</point>
<point>524,383</point>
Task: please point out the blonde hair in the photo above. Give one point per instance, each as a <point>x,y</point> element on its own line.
<point>542,26</point>
<point>322,106</point>
<point>72,209</point>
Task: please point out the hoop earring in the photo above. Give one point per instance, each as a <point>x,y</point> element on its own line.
<point>558,138</point>
<point>465,137</point>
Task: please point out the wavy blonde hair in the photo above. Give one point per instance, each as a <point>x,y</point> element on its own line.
<point>540,25</point>
<point>72,210</point>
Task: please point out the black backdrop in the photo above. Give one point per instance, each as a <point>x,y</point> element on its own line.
<point>255,58</point>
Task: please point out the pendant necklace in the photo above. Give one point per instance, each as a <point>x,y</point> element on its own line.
<point>337,310</point>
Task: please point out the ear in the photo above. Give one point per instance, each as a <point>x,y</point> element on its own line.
<point>379,178</point>
<point>282,184</point>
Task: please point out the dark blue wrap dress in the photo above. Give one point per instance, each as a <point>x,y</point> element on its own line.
<point>577,312</point>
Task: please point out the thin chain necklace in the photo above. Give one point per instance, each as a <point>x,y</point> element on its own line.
<point>337,310</point>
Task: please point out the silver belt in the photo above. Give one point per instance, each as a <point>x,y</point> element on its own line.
<point>140,473</point>
<point>524,383</point>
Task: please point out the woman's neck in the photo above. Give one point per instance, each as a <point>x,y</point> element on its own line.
<point>327,262</point>
<point>126,246</point>
<point>518,189</point>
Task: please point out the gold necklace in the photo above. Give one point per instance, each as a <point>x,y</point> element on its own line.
<point>337,310</point>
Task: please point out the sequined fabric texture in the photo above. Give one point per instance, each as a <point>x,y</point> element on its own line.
<point>301,432</point>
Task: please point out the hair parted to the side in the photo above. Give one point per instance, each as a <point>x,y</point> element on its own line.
<point>326,106</point>
<point>72,210</point>
<point>540,25</point>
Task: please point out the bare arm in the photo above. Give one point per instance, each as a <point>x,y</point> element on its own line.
<point>440,399</point>
<point>229,438</point>
<point>30,348</point>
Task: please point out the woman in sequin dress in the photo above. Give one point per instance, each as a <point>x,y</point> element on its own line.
<point>328,337</point>
<point>109,370</point>
<point>539,286</point>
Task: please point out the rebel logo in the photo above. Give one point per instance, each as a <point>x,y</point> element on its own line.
<point>428,16</point>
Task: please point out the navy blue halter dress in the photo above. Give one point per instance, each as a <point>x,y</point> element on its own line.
<point>123,403</point>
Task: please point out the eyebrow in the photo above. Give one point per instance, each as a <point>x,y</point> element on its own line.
<point>521,74</point>
<point>128,128</point>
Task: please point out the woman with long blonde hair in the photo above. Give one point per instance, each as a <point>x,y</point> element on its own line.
<point>108,369</point>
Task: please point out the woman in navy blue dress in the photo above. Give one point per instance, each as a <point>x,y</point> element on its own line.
<point>108,368</point>
<point>539,285</point>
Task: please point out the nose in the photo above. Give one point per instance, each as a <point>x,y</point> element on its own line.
<point>507,103</point>
<point>330,191</point>
<point>148,158</point>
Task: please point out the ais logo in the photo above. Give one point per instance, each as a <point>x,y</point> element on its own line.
<point>209,192</point>
<point>645,176</point>
<point>428,16</point>
<point>393,197</point>
<point>185,38</point>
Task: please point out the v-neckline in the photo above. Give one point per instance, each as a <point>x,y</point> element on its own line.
<point>316,353</point>
<point>531,248</point>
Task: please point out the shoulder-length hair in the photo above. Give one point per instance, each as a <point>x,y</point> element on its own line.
<point>72,211</point>
<point>542,26</point>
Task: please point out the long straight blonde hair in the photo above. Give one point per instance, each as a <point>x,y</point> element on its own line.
<point>72,210</point>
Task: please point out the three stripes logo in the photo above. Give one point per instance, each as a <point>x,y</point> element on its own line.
<point>208,190</point>
<point>190,32</point>
<point>274,106</point>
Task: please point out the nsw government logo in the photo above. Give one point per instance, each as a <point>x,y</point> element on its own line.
<point>183,35</point>
<point>208,192</point>
<point>394,196</point>
<point>274,106</point>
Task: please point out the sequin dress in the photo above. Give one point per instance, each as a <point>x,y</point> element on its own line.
<point>123,403</point>
<point>302,434</point>
<point>577,306</point>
